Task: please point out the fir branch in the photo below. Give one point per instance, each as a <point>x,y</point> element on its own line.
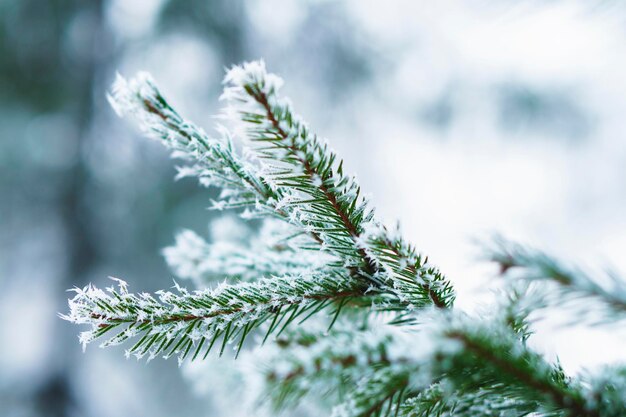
<point>192,257</point>
<point>328,201</point>
<point>184,323</point>
<point>313,194</point>
<point>489,355</point>
<point>187,320</point>
<point>375,375</point>
<point>607,293</point>
<point>214,161</point>
<point>452,367</point>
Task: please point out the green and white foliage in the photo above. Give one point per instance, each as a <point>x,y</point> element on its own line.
<point>364,370</point>
<point>604,292</point>
<point>319,197</point>
<point>341,308</point>
<point>452,366</point>
<point>274,251</point>
<point>182,323</point>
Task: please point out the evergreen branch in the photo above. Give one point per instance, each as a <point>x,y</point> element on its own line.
<point>452,367</point>
<point>489,356</point>
<point>187,320</point>
<point>327,199</point>
<point>178,323</point>
<point>270,255</point>
<point>375,377</point>
<point>332,214</point>
<point>192,257</point>
<point>214,161</point>
<point>571,284</point>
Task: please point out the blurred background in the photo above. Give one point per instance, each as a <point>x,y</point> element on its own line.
<point>461,118</point>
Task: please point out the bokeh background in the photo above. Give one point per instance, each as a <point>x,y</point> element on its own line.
<point>462,118</point>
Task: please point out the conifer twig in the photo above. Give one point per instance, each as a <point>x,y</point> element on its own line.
<point>176,323</point>
<point>608,292</point>
<point>327,201</point>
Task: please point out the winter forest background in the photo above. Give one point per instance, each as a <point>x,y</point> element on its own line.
<point>461,118</point>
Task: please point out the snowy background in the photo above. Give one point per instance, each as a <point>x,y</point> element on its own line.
<point>461,118</point>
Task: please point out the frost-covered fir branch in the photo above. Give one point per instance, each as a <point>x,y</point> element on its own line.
<point>259,186</point>
<point>296,177</point>
<point>452,365</point>
<point>363,372</point>
<point>214,161</point>
<point>325,199</point>
<point>489,355</point>
<point>182,323</point>
<point>489,367</point>
<point>604,294</point>
<point>455,366</point>
<point>274,252</point>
